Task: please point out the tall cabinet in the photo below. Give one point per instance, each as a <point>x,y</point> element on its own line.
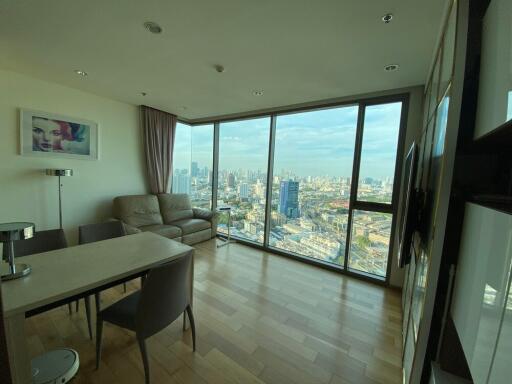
<point>481,306</point>
<point>437,144</point>
<point>457,297</point>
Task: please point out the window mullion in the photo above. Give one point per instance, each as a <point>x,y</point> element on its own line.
<point>355,178</point>
<point>270,176</point>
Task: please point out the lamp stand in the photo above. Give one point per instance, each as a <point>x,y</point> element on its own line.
<point>59,173</point>
<point>60,203</point>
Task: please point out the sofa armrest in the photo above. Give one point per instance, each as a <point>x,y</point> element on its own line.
<point>128,229</point>
<point>206,214</point>
<point>200,213</point>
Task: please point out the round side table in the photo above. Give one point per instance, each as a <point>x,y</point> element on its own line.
<point>9,232</point>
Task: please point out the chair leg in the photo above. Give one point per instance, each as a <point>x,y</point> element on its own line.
<point>145,361</point>
<point>70,308</point>
<point>88,314</point>
<point>97,301</point>
<point>192,326</point>
<point>99,334</point>
<point>76,305</point>
<point>124,286</point>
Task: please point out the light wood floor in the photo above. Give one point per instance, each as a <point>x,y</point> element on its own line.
<point>261,318</point>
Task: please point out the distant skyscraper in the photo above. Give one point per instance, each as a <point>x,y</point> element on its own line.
<point>243,190</point>
<point>194,170</point>
<point>289,199</point>
<point>181,182</point>
<point>231,180</point>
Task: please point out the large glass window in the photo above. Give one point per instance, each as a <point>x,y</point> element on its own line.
<point>370,238</point>
<point>242,176</point>
<point>332,173</point>
<point>378,152</point>
<point>181,159</point>
<point>372,214</point>
<point>201,166</point>
<point>313,158</point>
<point>192,163</point>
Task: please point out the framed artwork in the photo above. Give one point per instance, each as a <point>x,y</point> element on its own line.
<point>50,135</point>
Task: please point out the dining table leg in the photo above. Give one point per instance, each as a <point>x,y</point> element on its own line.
<point>19,357</point>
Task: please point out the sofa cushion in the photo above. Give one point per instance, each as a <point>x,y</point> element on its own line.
<point>138,210</point>
<point>192,225</point>
<point>197,237</point>
<point>169,231</point>
<point>175,206</point>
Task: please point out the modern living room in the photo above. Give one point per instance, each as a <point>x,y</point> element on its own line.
<point>255,192</point>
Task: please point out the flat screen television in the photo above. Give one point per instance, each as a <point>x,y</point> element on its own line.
<point>408,210</point>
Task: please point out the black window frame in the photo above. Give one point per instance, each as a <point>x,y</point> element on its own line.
<point>354,203</point>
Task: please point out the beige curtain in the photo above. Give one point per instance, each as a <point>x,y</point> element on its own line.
<point>159,130</point>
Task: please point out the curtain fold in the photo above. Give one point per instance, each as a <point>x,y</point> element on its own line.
<point>159,130</point>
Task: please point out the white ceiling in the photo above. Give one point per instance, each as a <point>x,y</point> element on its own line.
<point>296,51</point>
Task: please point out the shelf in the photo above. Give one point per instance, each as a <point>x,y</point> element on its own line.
<point>497,202</point>
<point>498,140</point>
<point>441,377</point>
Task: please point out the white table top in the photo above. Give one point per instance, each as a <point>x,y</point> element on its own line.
<point>63,273</point>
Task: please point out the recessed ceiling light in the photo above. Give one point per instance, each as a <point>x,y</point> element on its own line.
<point>80,72</point>
<point>257,92</point>
<point>153,27</point>
<point>143,93</point>
<point>391,67</point>
<point>387,18</point>
<point>219,68</point>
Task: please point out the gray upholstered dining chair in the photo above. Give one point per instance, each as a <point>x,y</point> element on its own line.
<point>44,241</point>
<point>91,233</point>
<point>164,296</point>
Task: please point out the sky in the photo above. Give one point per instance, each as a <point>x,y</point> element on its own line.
<point>313,143</point>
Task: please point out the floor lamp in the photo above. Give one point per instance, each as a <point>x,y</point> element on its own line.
<point>59,365</point>
<point>59,173</point>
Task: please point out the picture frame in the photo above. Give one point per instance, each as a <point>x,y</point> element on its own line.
<point>51,135</point>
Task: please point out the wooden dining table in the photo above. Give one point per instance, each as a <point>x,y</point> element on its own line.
<point>61,276</point>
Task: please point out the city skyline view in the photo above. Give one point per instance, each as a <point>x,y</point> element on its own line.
<point>320,133</point>
<point>311,185</point>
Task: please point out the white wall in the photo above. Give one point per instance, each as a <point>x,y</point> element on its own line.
<point>27,194</point>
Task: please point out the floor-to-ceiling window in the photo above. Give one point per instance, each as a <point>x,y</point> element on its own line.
<point>193,163</point>
<point>331,173</point>
<point>313,157</point>
<point>201,166</point>
<point>242,176</point>
<point>372,210</point>
<point>181,159</point>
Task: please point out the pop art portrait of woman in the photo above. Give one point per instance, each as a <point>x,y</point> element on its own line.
<point>61,137</point>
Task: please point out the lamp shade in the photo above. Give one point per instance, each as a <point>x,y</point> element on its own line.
<point>59,172</point>
<point>16,231</point>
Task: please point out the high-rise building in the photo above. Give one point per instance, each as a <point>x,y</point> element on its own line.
<point>231,180</point>
<point>194,169</point>
<point>289,199</point>
<point>243,190</point>
<point>181,182</point>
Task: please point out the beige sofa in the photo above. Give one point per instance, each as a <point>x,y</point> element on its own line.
<point>169,215</point>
